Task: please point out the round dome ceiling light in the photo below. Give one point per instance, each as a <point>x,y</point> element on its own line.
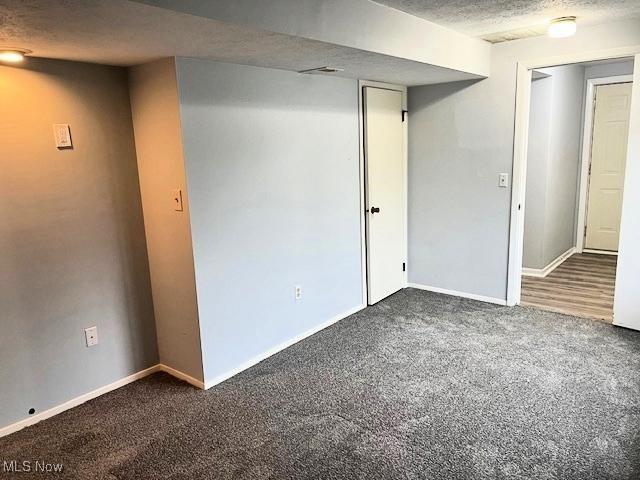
<point>12,55</point>
<point>562,27</point>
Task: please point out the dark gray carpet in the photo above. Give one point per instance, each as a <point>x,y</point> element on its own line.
<point>419,386</point>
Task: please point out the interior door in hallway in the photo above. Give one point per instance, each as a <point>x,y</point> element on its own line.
<point>384,143</point>
<point>608,159</point>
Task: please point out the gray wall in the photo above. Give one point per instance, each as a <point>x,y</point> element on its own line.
<point>460,139</point>
<point>273,178</point>
<point>537,163</point>
<point>71,237</point>
<point>455,148</point>
<point>553,164</point>
<point>564,161</point>
<point>609,69</point>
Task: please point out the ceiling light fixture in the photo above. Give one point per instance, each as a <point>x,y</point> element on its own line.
<point>12,55</point>
<point>562,27</point>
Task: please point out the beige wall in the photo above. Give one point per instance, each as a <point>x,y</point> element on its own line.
<point>72,243</point>
<point>156,119</point>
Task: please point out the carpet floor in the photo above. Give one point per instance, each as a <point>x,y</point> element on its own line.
<point>419,386</point>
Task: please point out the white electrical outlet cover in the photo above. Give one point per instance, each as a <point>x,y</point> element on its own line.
<point>504,180</point>
<point>91,336</point>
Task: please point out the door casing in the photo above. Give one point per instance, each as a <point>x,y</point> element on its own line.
<point>520,142</point>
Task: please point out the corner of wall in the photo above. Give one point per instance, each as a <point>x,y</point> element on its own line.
<point>160,156</point>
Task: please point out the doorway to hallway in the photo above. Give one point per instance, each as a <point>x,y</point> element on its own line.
<point>577,152</point>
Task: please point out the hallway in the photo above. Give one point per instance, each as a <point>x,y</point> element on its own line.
<point>581,286</point>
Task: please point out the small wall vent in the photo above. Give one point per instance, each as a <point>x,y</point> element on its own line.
<point>326,69</point>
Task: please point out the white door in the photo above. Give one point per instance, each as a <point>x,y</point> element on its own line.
<point>608,159</point>
<point>384,192</point>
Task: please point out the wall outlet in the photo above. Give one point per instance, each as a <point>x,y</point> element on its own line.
<point>91,336</point>
<point>298,292</point>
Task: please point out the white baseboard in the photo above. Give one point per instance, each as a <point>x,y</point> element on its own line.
<point>455,293</point>
<point>272,351</point>
<point>74,402</point>
<point>180,375</point>
<point>600,252</point>
<point>543,272</point>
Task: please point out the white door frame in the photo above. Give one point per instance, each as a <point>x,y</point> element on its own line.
<point>363,206</point>
<point>589,107</point>
<point>520,144</point>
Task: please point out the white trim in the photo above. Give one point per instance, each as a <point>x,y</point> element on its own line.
<point>543,272</point>
<point>589,107</point>
<point>455,293</point>
<point>405,167</point>
<point>363,234</point>
<point>587,129</point>
<point>521,133</point>
<point>278,348</point>
<point>600,252</point>
<point>181,376</point>
<point>519,174</point>
<point>74,402</point>
<point>580,57</point>
<point>625,303</point>
<point>623,324</point>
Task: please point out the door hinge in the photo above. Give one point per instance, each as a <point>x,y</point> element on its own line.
<point>404,267</point>
<point>585,231</point>
<point>404,113</point>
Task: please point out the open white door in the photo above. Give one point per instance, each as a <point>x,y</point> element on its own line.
<point>384,192</point>
<point>608,160</point>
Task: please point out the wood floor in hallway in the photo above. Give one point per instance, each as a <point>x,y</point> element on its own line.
<point>582,286</point>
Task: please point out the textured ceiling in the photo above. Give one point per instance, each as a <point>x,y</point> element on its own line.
<point>485,18</point>
<point>118,32</point>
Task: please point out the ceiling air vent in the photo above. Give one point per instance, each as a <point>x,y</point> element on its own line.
<point>322,70</point>
<point>516,34</point>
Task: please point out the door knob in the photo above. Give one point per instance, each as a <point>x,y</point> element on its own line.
<point>375,210</point>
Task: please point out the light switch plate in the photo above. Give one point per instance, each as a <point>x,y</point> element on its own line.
<point>62,135</point>
<point>176,196</point>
